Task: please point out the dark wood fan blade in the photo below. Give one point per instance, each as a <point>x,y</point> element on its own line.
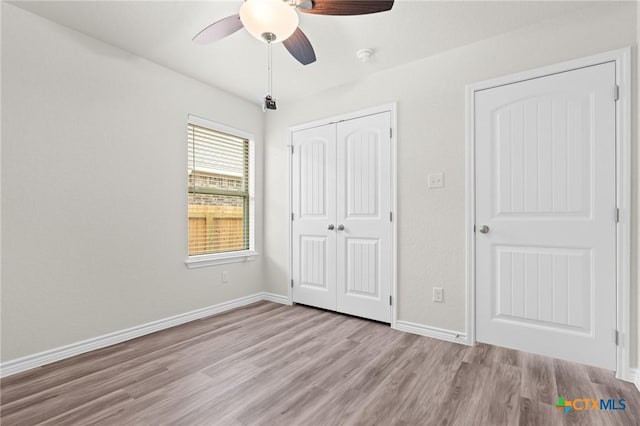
<point>348,7</point>
<point>300,47</point>
<point>219,29</point>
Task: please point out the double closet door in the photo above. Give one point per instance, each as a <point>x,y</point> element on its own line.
<point>341,216</point>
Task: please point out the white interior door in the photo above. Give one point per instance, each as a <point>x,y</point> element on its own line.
<point>314,209</point>
<point>363,217</point>
<point>545,190</point>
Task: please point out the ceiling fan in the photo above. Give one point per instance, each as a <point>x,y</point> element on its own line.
<point>275,21</point>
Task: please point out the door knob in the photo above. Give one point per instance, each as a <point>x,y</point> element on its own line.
<point>484,229</point>
<point>341,227</point>
<point>330,227</point>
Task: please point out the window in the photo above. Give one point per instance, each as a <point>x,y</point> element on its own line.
<point>220,195</point>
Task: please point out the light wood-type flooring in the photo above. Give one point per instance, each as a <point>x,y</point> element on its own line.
<point>271,364</point>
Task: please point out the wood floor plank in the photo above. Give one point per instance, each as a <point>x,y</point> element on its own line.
<point>384,404</point>
<point>162,404</point>
<point>235,399</point>
<point>461,400</point>
<point>534,413</point>
<point>53,402</point>
<point>616,416</point>
<point>539,379</point>
<point>573,382</point>
<point>132,353</point>
<point>340,374</point>
<point>339,407</point>
<point>487,355</point>
<point>478,354</point>
<point>436,374</point>
<point>286,408</point>
<point>269,364</point>
<point>96,410</point>
<point>296,381</point>
<point>503,384</point>
<point>379,367</point>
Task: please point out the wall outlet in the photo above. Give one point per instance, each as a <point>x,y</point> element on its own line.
<point>436,180</point>
<point>438,294</point>
<point>225,276</point>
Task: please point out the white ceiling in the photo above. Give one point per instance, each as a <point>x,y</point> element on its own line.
<point>162,32</point>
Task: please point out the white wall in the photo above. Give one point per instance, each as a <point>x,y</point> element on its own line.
<point>431,138</point>
<point>94,188</point>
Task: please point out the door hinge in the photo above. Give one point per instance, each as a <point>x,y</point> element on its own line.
<point>616,92</point>
<point>617,338</point>
<point>291,149</point>
<point>390,216</point>
<point>291,283</point>
<point>474,228</point>
<point>617,215</point>
<point>390,132</point>
<point>291,216</point>
<point>390,300</point>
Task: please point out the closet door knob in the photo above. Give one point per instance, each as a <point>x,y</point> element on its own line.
<point>330,227</point>
<point>341,227</point>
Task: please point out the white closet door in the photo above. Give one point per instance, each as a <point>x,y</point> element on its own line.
<point>314,209</point>
<point>363,210</point>
<point>546,192</point>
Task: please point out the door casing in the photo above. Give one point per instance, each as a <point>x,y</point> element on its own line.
<point>622,60</point>
<point>391,108</point>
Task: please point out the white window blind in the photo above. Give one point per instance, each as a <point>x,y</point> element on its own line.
<point>220,191</point>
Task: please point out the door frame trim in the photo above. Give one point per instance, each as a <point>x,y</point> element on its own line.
<point>392,109</point>
<point>622,60</point>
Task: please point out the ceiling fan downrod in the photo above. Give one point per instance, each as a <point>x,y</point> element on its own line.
<point>269,102</point>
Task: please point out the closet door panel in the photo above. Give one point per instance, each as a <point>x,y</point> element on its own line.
<point>314,210</point>
<point>363,206</point>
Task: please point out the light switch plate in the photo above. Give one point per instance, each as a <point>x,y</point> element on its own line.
<point>438,294</point>
<point>436,180</point>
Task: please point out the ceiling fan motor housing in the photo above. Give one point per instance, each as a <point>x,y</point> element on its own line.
<point>269,37</point>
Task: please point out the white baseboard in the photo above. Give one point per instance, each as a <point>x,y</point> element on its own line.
<point>434,332</point>
<point>276,298</point>
<point>57,354</point>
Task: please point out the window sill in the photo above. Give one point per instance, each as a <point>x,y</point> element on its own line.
<point>220,259</point>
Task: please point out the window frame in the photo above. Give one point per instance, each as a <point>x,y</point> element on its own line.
<point>210,259</point>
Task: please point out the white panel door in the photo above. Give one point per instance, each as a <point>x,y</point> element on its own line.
<point>314,209</point>
<point>545,190</point>
<point>363,217</point>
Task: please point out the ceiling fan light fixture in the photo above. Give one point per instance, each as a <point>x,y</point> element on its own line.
<point>272,17</point>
